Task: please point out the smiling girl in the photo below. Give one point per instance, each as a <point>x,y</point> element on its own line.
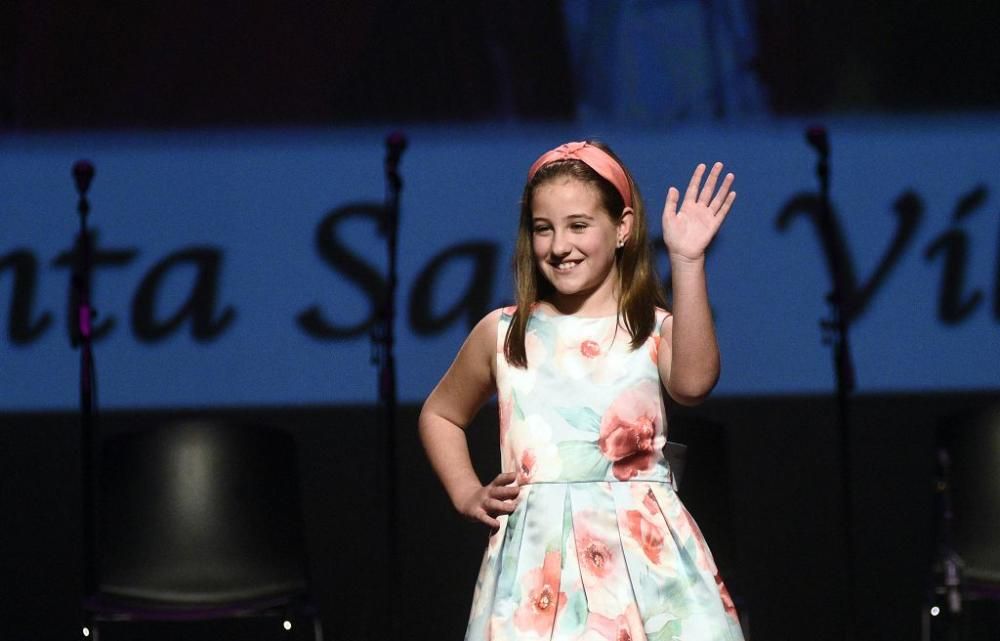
<point>590,540</point>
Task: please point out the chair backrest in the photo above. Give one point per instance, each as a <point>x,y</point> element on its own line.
<point>200,512</point>
<point>973,444</point>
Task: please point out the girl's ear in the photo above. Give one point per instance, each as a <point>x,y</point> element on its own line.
<point>625,225</point>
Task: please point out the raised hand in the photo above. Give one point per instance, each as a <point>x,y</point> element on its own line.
<point>496,499</point>
<point>688,231</point>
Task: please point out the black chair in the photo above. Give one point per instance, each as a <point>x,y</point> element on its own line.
<point>967,563</point>
<point>199,521</point>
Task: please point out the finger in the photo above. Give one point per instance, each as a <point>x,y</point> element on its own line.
<point>713,177</point>
<point>726,206</point>
<point>670,207</point>
<point>494,507</point>
<point>692,190</point>
<point>723,193</point>
<point>490,521</point>
<point>504,478</point>
<point>505,492</point>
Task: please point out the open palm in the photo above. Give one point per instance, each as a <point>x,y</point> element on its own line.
<point>688,231</point>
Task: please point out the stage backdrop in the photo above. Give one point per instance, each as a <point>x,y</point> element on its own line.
<point>244,267</point>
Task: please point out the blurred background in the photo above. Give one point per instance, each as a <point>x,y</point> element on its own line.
<point>239,265</point>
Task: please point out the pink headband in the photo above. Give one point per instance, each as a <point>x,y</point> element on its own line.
<point>595,158</point>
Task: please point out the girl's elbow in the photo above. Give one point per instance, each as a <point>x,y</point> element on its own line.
<point>687,400</point>
<point>425,421</point>
<point>691,393</point>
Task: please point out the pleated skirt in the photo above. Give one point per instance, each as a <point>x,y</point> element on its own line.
<point>600,560</point>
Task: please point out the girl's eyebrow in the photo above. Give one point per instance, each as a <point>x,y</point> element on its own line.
<point>571,217</point>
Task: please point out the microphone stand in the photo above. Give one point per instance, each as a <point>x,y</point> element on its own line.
<point>80,336</point>
<point>383,344</point>
<point>835,333</point>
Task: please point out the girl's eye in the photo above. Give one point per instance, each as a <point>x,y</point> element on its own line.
<point>540,229</point>
<point>579,226</point>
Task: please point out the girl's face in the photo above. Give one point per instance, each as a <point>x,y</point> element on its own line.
<point>574,242</point>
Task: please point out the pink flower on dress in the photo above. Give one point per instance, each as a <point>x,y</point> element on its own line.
<point>596,558</point>
<point>624,627</point>
<point>590,349</point>
<point>646,533</point>
<point>629,430</point>
<point>653,345</point>
<point>541,585</point>
<point>526,467</point>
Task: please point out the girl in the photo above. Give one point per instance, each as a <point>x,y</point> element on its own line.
<point>589,538</point>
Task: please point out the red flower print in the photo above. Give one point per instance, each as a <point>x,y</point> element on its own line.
<point>590,349</point>
<point>526,467</point>
<point>629,444</point>
<point>543,598</point>
<point>646,533</point>
<point>628,431</point>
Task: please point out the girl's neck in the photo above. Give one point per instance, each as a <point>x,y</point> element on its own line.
<point>580,307</point>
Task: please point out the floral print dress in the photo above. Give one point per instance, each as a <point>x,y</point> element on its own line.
<point>600,548</point>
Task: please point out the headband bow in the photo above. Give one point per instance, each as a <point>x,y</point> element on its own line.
<point>595,158</point>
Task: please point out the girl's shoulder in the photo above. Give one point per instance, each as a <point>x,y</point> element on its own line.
<point>489,323</point>
<point>482,340</point>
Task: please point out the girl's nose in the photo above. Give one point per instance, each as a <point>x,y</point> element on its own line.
<point>560,244</point>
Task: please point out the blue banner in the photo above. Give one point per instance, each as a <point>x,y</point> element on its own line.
<point>243,267</point>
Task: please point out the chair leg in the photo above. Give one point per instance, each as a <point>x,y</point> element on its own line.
<point>317,627</point>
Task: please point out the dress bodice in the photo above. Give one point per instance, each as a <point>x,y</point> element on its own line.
<point>588,407</point>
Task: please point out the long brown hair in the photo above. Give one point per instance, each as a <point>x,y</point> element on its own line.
<point>640,290</point>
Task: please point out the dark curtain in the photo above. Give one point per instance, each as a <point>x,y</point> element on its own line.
<point>187,63</point>
<point>893,55</point>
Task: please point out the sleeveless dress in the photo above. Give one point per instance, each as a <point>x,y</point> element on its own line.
<point>600,548</point>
